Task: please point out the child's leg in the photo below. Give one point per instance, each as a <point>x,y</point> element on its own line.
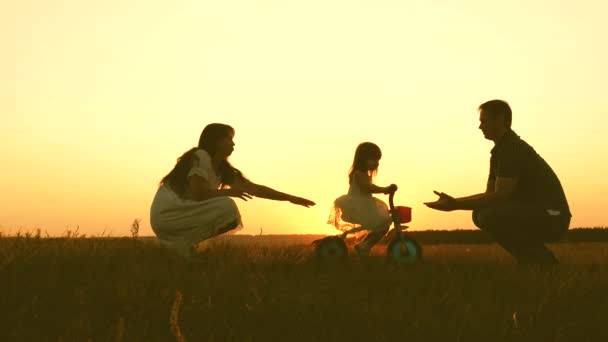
<point>374,236</point>
<point>364,247</point>
<point>352,231</point>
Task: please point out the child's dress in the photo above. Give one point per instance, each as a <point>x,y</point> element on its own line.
<point>359,209</point>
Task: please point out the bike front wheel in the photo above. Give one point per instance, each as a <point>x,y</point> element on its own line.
<point>404,249</point>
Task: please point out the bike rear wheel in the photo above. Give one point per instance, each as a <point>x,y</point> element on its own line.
<point>331,248</point>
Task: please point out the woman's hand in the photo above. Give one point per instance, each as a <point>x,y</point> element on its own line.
<point>301,201</point>
<point>239,193</point>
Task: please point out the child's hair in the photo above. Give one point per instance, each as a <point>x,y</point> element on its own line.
<point>212,133</point>
<point>365,151</point>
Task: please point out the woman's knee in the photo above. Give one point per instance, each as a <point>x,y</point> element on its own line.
<point>226,201</point>
<point>227,206</point>
<point>230,226</point>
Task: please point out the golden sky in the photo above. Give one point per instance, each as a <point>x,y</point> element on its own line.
<point>98,99</point>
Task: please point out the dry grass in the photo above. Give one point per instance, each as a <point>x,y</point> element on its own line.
<point>257,289</point>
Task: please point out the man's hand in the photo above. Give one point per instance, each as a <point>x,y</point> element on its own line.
<point>445,202</point>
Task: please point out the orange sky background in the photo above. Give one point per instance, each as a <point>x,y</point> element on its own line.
<point>98,99</point>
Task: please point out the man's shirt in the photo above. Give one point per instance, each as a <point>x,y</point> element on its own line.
<point>538,185</point>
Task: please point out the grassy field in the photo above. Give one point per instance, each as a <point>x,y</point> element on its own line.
<point>270,288</point>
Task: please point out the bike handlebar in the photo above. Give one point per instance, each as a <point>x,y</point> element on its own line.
<point>391,196</point>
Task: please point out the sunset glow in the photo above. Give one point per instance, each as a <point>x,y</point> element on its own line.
<point>98,99</point>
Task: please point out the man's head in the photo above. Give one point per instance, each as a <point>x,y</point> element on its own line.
<point>494,119</point>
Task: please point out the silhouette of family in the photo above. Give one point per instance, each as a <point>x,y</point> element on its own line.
<point>523,205</point>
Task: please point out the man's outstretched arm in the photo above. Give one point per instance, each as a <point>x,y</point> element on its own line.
<point>501,191</point>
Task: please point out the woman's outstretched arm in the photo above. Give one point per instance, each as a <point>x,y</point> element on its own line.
<point>263,191</point>
<point>201,190</point>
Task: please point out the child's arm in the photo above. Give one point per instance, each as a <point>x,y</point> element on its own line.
<point>365,183</point>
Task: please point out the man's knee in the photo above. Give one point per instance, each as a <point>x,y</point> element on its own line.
<point>494,220</point>
<point>476,218</point>
<point>556,228</point>
<point>484,218</point>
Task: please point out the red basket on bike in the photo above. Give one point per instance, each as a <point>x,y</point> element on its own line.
<point>404,214</point>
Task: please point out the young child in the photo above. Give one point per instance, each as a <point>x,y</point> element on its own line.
<point>358,210</point>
